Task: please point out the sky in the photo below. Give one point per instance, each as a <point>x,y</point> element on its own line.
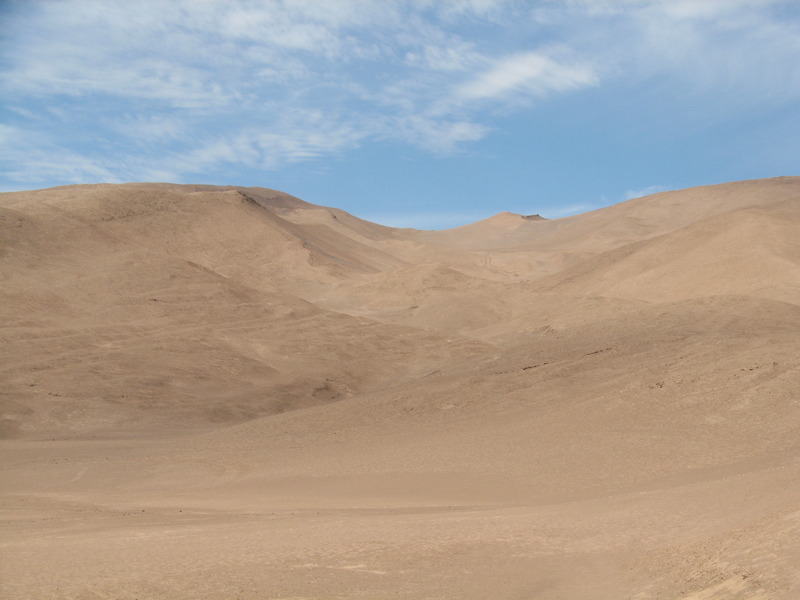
<point>410,113</point>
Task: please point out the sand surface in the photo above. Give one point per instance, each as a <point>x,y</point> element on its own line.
<point>219,392</point>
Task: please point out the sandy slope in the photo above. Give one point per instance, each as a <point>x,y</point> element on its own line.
<point>231,393</point>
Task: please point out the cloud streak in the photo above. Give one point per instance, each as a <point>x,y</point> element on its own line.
<point>528,73</point>
<point>647,191</point>
<point>204,86</point>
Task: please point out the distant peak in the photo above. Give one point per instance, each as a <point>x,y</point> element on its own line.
<point>511,217</point>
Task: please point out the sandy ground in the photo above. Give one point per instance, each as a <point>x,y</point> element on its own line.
<point>230,393</point>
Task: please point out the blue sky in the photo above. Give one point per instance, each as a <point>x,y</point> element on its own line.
<point>416,113</point>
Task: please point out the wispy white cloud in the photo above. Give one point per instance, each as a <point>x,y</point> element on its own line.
<point>570,209</point>
<point>702,9</point>
<point>435,134</point>
<point>203,70</point>
<point>303,135</point>
<point>457,56</point>
<point>730,54</point>
<point>498,12</point>
<point>7,133</point>
<point>30,157</point>
<point>150,128</point>
<point>529,73</point>
<point>208,85</point>
<point>647,191</point>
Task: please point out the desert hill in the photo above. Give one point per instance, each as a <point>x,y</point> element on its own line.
<point>214,392</point>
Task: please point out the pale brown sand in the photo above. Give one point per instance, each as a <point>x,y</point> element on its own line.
<point>230,393</point>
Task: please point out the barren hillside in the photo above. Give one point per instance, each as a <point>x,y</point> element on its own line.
<point>222,392</point>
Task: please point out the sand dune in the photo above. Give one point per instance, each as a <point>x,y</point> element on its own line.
<point>221,392</point>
